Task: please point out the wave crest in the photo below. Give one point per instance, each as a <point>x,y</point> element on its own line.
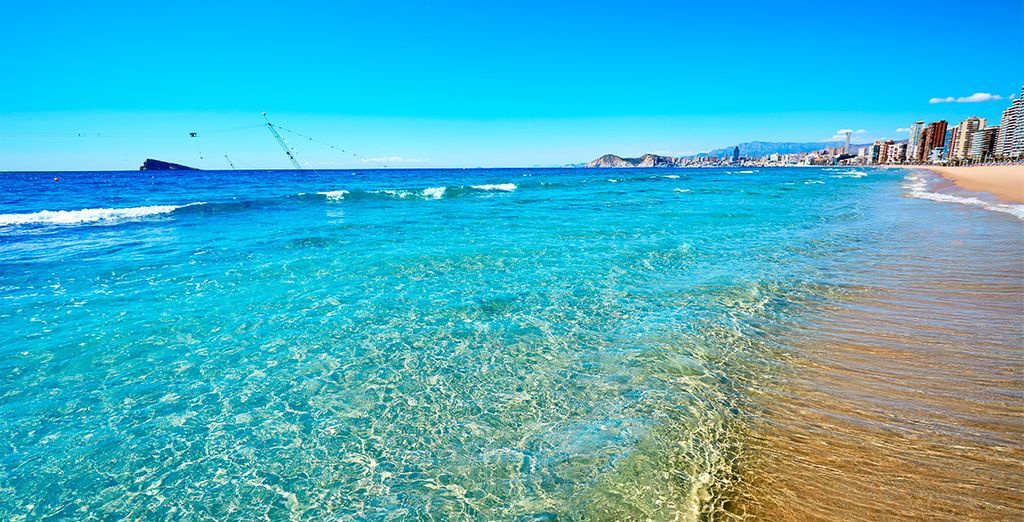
<point>434,192</point>
<point>88,215</point>
<point>411,193</point>
<point>501,187</point>
<point>918,188</point>
<point>334,195</point>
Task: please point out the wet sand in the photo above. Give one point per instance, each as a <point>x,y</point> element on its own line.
<point>905,398</point>
<point>1004,181</point>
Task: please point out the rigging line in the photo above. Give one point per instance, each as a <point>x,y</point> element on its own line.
<point>284,145</point>
<point>230,129</point>
<point>339,149</point>
<point>230,162</point>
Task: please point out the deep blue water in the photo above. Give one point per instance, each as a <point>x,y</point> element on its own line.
<point>480,344</point>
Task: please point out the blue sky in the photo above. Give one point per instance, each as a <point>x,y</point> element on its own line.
<point>467,84</point>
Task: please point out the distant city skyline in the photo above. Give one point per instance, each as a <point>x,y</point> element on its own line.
<point>534,85</point>
<point>972,141</point>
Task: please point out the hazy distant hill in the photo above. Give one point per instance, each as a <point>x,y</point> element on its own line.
<point>757,149</point>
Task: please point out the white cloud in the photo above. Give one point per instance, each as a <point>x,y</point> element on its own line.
<point>903,129</point>
<point>392,159</point>
<point>841,133</point>
<point>974,98</point>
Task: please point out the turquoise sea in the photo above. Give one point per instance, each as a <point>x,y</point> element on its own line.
<point>492,344</point>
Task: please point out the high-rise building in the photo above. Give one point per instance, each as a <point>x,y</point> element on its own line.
<point>897,152</point>
<point>963,138</point>
<point>736,154</point>
<point>934,138</point>
<point>883,151</point>
<point>954,142</point>
<point>914,141</point>
<point>983,142</point>
<point>872,155</point>
<point>1010,141</point>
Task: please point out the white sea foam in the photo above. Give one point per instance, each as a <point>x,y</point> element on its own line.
<point>503,187</point>
<point>916,183</point>
<point>681,191</point>
<point>88,215</point>
<point>851,174</point>
<point>613,181</point>
<point>814,182</point>
<point>428,193</point>
<point>435,192</point>
<point>671,176</point>
<point>334,195</point>
<point>395,193</point>
<point>918,188</point>
<point>746,172</point>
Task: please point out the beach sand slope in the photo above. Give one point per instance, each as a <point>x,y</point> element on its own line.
<point>1004,181</point>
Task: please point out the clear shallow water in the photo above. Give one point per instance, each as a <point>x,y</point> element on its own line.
<point>495,344</point>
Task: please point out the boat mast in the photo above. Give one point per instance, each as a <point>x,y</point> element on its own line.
<point>280,141</point>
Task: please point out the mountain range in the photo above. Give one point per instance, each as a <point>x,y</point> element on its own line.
<point>757,149</point>
<point>751,149</point>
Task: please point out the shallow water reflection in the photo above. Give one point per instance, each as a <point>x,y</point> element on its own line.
<point>903,399</point>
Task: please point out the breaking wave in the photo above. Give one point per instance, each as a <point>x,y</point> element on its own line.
<point>427,193</point>
<point>503,187</point>
<point>115,215</point>
<point>917,184</point>
<point>88,215</point>
<point>333,194</point>
<point>434,192</point>
<point>409,193</point>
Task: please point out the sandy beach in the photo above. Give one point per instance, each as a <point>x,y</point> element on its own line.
<point>1004,181</point>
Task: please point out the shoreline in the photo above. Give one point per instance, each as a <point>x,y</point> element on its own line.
<point>1005,182</point>
<point>905,376</point>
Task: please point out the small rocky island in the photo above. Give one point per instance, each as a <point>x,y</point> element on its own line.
<point>611,161</point>
<point>152,164</point>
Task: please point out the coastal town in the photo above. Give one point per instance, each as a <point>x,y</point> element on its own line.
<point>969,142</point>
<point>972,141</point>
